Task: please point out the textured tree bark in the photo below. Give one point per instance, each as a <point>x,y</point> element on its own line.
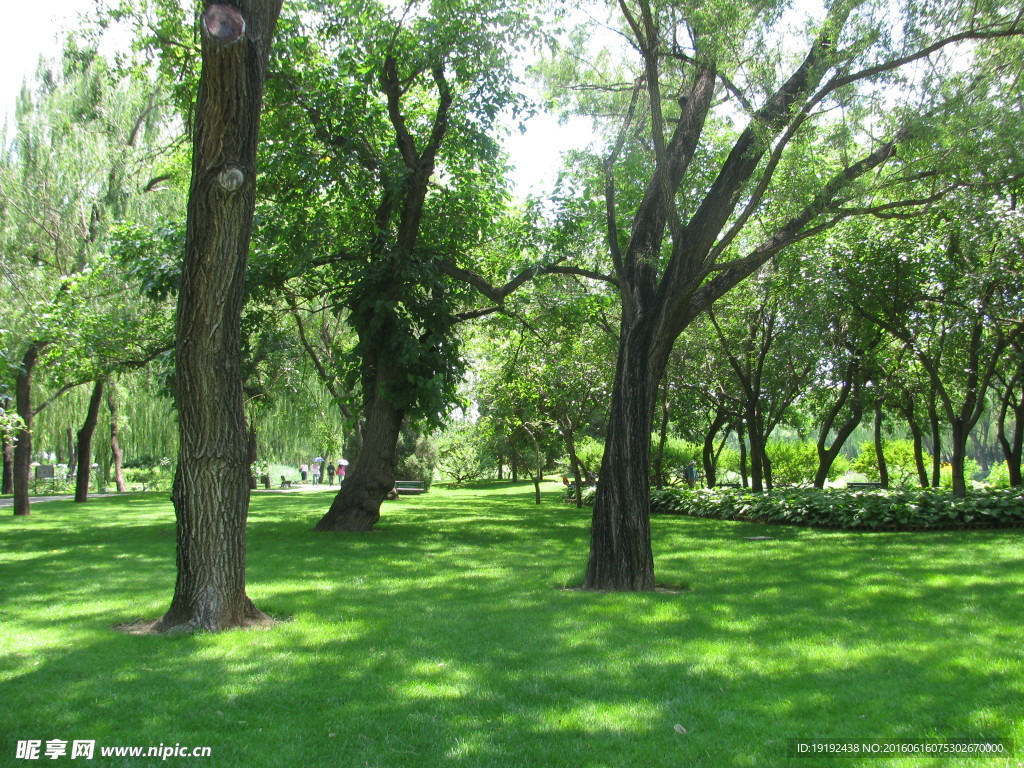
<point>211,493</point>
<point>85,444</point>
<point>23,447</point>
<point>115,441</point>
<point>621,557</point>
<point>356,507</point>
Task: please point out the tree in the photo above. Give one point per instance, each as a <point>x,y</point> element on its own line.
<point>810,150</point>
<point>211,490</point>
<point>391,202</point>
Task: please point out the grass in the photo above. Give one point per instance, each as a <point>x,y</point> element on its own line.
<point>447,638</point>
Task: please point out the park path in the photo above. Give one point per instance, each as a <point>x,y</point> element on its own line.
<point>9,501</point>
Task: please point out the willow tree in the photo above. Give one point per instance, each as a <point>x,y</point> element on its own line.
<point>745,128</point>
<point>211,485</point>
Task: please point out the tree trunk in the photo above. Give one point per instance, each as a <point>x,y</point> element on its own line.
<point>72,456</point>
<point>570,444</point>
<point>115,441</point>
<point>620,539</point>
<point>710,457</point>
<point>883,468</point>
<point>741,436</point>
<point>657,465</point>
<point>757,445</point>
<point>211,494</point>
<point>7,481</point>
<point>1013,448</point>
<point>85,443</point>
<point>23,446</point>
<point>356,507</point>
<point>959,440</point>
<point>933,420</point>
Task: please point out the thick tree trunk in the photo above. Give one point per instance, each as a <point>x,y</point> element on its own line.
<point>115,441</point>
<point>85,443</point>
<point>620,539</point>
<point>211,494</point>
<point>370,480</point>
<point>23,447</point>
<point>959,440</point>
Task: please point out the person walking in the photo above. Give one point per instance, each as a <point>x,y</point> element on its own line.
<point>329,473</point>
<point>316,472</point>
<point>303,471</point>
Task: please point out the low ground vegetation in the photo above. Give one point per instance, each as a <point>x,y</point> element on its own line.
<point>454,636</point>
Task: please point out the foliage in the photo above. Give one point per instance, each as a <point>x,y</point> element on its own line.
<point>794,463</point>
<point>905,509</point>
<point>463,451</point>
<point>417,456</point>
<point>899,459</point>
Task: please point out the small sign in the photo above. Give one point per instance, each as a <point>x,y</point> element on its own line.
<point>44,472</point>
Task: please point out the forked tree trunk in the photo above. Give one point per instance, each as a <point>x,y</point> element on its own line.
<point>23,447</point>
<point>211,493</point>
<point>85,443</point>
<point>370,480</point>
<point>115,441</point>
<point>620,540</point>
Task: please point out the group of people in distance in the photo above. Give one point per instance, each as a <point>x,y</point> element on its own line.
<point>318,473</point>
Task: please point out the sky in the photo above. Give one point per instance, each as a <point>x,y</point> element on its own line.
<point>30,29</point>
<point>34,28</point>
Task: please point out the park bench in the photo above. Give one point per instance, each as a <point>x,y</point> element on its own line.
<point>727,485</point>
<point>861,486</point>
<point>410,487</point>
<point>285,483</point>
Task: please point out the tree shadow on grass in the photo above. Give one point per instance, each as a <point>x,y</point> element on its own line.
<point>441,640</point>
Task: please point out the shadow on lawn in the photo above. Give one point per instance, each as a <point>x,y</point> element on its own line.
<point>442,639</point>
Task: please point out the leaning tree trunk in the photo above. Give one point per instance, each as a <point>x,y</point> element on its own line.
<point>370,480</point>
<point>621,557</point>
<point>85,443</point>
<point>23,447</point>
<point>115,441</point>
<point>211,494</point>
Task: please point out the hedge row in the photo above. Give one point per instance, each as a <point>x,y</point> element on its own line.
<point>872,510</point>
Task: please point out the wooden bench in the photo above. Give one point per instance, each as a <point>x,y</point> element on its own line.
<point>410,487</point>
<point>285,483</point>
<point>727,485</point>
<point>862,486</point>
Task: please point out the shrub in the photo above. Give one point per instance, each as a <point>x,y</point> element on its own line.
<point>903,509</point>
<point>899,459</point>
<point>793,463</point>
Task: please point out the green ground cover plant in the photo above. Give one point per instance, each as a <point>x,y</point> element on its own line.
<point>864,510</point>
<point>452,636</point>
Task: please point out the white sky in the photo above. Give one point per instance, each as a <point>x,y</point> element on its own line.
<point>31,28</point>
<point>28,30</point>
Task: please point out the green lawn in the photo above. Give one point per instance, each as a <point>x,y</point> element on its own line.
<point>447,638</point>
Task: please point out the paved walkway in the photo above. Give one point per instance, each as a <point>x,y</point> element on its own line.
<point>8,501</point>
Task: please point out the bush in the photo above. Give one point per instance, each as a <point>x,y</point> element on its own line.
<point>904,509</point>
<point>417,456</point>
<point>899,459</point>
<point>793,463</point>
